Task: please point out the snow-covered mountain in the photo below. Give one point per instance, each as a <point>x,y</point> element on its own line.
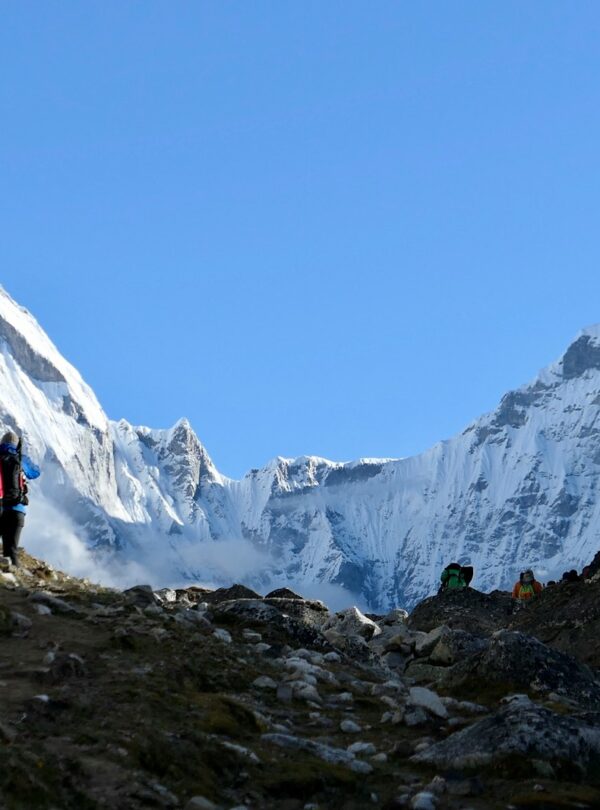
<point>518,487</point>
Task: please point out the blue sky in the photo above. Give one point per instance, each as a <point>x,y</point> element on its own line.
<point>337,228</point>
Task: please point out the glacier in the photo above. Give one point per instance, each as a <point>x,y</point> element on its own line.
<point>121,503</point>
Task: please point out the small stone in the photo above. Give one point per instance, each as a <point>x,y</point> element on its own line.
<point>358,766</point>
<point>223,635</point>
<point>350,727</point>
<point>43,610</point>
<point>285,693</point>
<point>21,625</point>
<point>437,786</point>
<point>380,759</point>
<point>264,682</point>
<point>423,801</point>
<point>363,748</point>
<point>261,647</point>
<point>416,717</point>
<point>332,658</point>
<point>424,698</point>
<point>200,803</point>
<point>251,636</point>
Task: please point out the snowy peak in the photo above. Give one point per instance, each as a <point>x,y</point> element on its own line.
<point>583,355</point>
<point>25,344</point>
<point>519,487</point>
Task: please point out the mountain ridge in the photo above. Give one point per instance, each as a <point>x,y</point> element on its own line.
<point>517,487</point>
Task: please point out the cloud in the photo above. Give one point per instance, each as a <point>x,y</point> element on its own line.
<point>51,536</point>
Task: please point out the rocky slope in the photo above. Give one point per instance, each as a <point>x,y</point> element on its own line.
<point>202,699</point>
<point>518,487</point>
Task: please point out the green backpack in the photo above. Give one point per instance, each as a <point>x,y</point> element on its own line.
<point>452,577</point>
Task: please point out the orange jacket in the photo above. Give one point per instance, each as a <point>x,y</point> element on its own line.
<point>537,587</point>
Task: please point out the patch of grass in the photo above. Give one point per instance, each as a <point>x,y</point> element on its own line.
<point>311,778</point>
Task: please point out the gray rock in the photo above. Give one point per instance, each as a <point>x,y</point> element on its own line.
<point>200,803</point>
<point>351,622</point>
<point>285,693</point>
<point>350,727</point>
<point>166,595</point>
<point>424,801</point>
<point>456,645</point>
<point>529,733</point>
<point>251,636</point>
<point>416,716</point>
<point>54,603</point>
<point>395,616</point>
<point>362,749</point>
<point>395,660</point>
<point>428,700</point>
<point>264,682</point>
<point>20,625</point>
<point>337,756</point>
<point>524,662</point>
<point>421,672</point>
<point>140,596</point>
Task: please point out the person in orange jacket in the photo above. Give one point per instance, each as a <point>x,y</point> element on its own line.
<point>527,587</point>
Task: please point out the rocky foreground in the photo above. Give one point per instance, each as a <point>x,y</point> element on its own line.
<point>201,699</point>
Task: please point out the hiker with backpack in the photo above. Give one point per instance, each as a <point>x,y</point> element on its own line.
<point>527,586</point>
<point>455,577</point>
<point>15,468</point>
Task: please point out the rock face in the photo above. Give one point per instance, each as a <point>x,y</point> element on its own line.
<point>518,487</point>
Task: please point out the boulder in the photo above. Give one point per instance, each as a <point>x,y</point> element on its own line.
<point>466,609</point>
<point>444,646</point>
<point>351,622</point>
<point>141,596</point>
<point>518,735</point>
<point>523,662</point>
<point>309,612</point>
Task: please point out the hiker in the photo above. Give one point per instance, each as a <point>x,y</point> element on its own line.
<point>527,587</point>
<point>455,576</point>
<point>14,469</point>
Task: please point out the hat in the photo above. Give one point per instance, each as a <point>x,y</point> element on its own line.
<point>10,438</point>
